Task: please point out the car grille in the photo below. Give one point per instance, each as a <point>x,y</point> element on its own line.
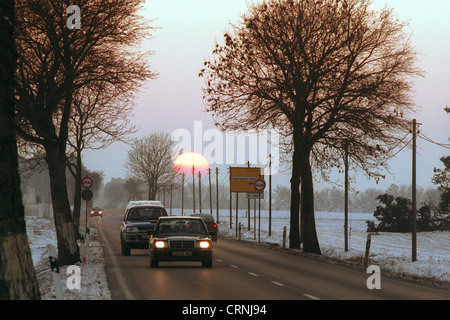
<point>182,244</point>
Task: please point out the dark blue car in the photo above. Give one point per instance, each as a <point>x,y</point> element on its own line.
<point>139,218</point>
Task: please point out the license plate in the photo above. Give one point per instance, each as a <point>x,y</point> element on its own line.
<point>182,253</point>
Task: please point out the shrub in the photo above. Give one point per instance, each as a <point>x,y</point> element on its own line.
<point>395,215</point>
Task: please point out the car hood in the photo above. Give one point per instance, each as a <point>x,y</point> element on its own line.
<point>182,237</point>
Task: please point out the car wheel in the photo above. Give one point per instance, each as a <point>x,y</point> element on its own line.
<point>153,263</point>
<point>207,264</point>
<point>126,251</point>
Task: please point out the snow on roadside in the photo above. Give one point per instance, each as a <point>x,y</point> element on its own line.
<point>93,281</point>
<point>390,251</point>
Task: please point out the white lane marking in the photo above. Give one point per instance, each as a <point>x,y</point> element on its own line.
<point>233,266</point>
<point>277,283</point>
<point>311,296</point>
<point>116,269</point>
<point>220,260</point>
<point>253,274</point>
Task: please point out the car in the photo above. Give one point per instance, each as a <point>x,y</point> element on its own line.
<point>96,211</point>
<point>211,225</point>
<point>180,238</point>
<point>140,216</point>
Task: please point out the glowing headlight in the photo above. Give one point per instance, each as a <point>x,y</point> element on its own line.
<point>132,229</point>
<point>159,244</point>
<point>204,244</point>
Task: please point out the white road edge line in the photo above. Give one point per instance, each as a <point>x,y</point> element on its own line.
<point>311,296</point>
<point>277,283</point>
<point>116,269</point>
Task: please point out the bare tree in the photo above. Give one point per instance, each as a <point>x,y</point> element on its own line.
<point>151,160</point>
<point>101,116</point>
<point>17,274</point>
<point>54,62</point>
<point>133,189</point>
<point>330,73</point>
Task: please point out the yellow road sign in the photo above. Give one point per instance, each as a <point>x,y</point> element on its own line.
<point>242,179</point>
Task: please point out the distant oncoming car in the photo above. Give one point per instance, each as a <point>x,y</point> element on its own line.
<point>180,239</point>
<point>140,216</point>
<point>96,211</point>
<point>211,225</point>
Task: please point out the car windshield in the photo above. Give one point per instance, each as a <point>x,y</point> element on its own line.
<point>145,213</point>
<point>180,226</point>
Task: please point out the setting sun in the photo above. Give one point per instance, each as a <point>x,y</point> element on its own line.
<point>184,162</point>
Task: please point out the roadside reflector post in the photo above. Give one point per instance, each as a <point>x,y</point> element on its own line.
<point>53,257</point>
<point>366,255</point>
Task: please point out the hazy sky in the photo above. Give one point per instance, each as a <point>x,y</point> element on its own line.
<point>189,29</point>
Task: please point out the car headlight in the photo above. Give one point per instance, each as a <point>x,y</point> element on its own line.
<point>204,244</point>
<point>160,244</point>
<point>132,229</point>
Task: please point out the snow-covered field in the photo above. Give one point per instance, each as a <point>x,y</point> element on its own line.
<point>390,251</point>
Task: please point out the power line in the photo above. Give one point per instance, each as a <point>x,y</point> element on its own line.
<point>424,137</point>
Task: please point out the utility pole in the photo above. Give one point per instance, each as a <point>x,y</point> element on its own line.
<point>193,189</point>
<point>414,200</point>
<point>210,195</point>
<point>182,193</point>
<point>248,205</point>
<point>270,195</point>
<point>346,196</point>
<point>231,204</point>
<point>237,211</point>
<point>217,194</point>
<point>200,191</point>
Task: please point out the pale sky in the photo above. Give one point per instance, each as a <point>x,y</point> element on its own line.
<point>189,29</point>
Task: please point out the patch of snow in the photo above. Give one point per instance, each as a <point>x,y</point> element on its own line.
<point>93,281</point>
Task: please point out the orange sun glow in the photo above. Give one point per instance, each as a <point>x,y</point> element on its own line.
<point>184,162</point>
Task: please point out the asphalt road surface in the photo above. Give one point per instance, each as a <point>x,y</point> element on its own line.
<point>243,271</point>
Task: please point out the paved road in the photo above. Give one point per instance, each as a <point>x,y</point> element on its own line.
<point>243,271</point>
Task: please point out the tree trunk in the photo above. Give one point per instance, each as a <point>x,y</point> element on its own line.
<point>294,232</point>
<point>17,274</point>
<point>68,251</point>
<point>77,197</point>
<point>309,235</point>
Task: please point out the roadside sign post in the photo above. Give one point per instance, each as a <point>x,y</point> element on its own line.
<point>259,186</point>
<point>87,195</point>
<point>243,179</point>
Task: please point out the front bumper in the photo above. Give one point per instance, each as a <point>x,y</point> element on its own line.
<point>136,240</point>
<point>168,254</point>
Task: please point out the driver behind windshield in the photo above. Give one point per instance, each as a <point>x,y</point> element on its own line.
<point>144,214</point>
